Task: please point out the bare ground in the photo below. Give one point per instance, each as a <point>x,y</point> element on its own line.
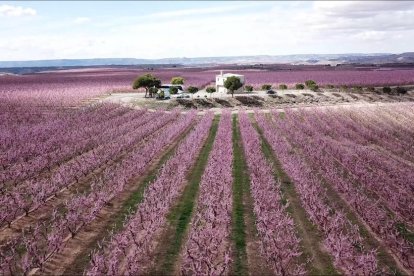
<point>56,201</point>
<point>64,262</point>
<point>315,255</point>
<point>387,259</point>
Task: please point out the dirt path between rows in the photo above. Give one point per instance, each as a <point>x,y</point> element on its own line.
<point>386,257</point>
<point>55,201</point>
<point>247,257</point>
<point>65,262</point>
<point>317,259</point>
<point>167,257</point>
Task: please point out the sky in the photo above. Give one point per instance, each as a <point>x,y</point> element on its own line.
<point>31,30</point>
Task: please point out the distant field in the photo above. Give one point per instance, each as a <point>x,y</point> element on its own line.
<point>65,87</point>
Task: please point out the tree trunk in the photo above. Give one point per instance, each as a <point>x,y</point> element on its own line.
<point>146,91</point>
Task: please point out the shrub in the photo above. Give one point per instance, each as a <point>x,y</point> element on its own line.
<point>401,90</point>
<point>173,90</point>
<point>248,88</point>
<point>344,88</point>
<point>386,89</point>
<point>162,95</point>
<point>310,83</point>
<point>300,86</point>
<point>210,89</point>
<point>177,80</point>
<point>266,86</point>
<point>152,90</point>
<point>357,88</point>
<point>314,87</point>
<point>192,89</point>
<point>329,86</point>
<point>283,86</point>
<point>371,89</point>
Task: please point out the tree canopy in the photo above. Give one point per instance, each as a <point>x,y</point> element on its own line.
<point>300,86</point>
<point>146,81</point>
<point>266,86</point>
<point>248,88</point>
<point>173,90</point>
<point>192,89</point>
<point>177,80</point>
<point>210,90</point>
<point>310,83</point>
<point>233,83</point>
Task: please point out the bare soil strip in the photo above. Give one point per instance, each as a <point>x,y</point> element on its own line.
<point>311,239</point>
<point>246,258</point>
<point>73,259</point>
<point>55,201</point>
<point>167,253</point>
<point>46,172</point>
<point>386,258</point>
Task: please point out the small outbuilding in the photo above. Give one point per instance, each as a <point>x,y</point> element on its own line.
<point>220,79</point>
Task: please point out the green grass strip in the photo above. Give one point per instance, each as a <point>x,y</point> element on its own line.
<point>385,260</point>
<point>128,208</point>
<point>322,263</point>
<point>181,214</point>
<point>240,186</point>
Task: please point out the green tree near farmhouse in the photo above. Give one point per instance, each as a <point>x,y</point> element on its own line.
<point>248,88</point>
<point>177,80</point>
<point>192,89</point>
<point>310,83</point>
<point>300,86</point>
<point>233,83</point>
<point>266,86</point>
<point>146,81</point>
<point>283,86</point>
<point>173,90</point>
<point>210,90</point>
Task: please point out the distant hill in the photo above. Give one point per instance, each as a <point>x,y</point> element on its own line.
<point>375,58</point>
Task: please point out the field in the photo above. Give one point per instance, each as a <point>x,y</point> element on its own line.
<point>105,189</point>
<point>69,86</point>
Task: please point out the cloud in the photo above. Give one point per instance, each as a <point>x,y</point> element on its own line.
<point>357,9</point>
<point>360,8</point>
<point>16,11</point>
<point>201,11</point>
<point>82,20</point>
<point>216,31</point>
<point>351,17</point>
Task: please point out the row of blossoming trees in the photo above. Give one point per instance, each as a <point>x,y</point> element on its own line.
<point>86,159</point>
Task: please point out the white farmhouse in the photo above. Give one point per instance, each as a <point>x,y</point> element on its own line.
<point>220,79</point>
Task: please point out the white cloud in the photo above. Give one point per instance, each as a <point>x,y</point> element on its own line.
<point>201,11</point>
<point>16,11</point>
<point>217,31</point>
<point>360,8</point>
<point>81,20</point>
